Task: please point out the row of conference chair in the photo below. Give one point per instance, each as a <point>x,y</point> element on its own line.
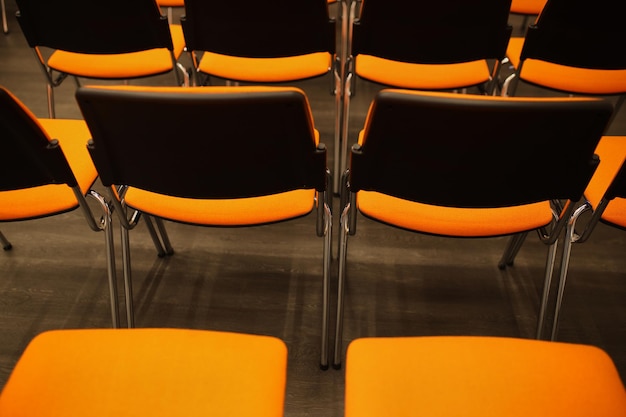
<point>449,45</point>
<point>424,162</point>
<point>165,372</point>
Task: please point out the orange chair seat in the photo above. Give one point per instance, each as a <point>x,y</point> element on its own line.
<point>41,201</point>
<point>421,76</point>
<point>564,78</point>
<point>451,376</point>
<point>227,212</point>
<point>529,7</point>
<point>266,70</point>
<point>612,152</point>
<point>151,372</point>
<point>450,221</point>
<point>119,66</point>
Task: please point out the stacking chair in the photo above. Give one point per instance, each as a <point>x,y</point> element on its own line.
<point>449,165</point>
<point>260,42</point>
<point>156,372</point>
<point>480,376</point>
<point>118,41</point>
<point>254,159</point>
<point>570,49</point>
<point>605,198</point>
<point>45,170</point>
<point>434,45</point>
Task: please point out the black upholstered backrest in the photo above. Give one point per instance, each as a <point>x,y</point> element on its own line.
<point>579,33</point>
<point>259,29</point>
<point>478,151</point>
<point>204,142</point>
<point>28,158</point>
<point>433,32</point>
<point>87,26</point>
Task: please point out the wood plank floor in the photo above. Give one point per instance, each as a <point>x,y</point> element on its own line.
<point>267,280</point>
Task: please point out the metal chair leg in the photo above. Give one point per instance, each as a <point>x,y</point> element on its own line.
<point>5,25</point>
<point>6,245</point>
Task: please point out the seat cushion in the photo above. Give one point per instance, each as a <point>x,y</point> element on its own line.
<point>227,212</point>
<point>421,76</point>
<point>269,70</point>
<point>152,372</point>
<point>56,198</point>
<point>120,66</point>
<point>450,221</point>
<point>564,78</point>
<point>451,376</point>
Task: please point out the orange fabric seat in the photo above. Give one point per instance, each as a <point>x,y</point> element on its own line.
<point>422,76</point>
<point>120,66</point>
<point>566,78</point>
<point>451,376</point>
<point>155,372</point>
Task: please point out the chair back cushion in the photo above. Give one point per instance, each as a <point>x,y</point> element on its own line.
<point>113,27</point>
<point>204,142</point>
<point>433,32</point>
<point>28,157</point>
<point>468,151</point>
<point>259,29</point>
<point>578,33</point>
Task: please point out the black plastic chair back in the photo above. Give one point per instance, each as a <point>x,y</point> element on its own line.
<point>27,157</point>
<point>433,32</point>
<point>259,29</point>
<point>86,26</point>
<point>579,33</point>
<point>197,145</point>
<point>458,150</point>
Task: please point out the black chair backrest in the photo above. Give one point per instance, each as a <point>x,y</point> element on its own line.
<point>259,29</point>
<point>433,32</point>
<point>460,151</point>
<point>27,157</point>
<point>579,33</point>
<point>238,142</point>
<point>86,26</point>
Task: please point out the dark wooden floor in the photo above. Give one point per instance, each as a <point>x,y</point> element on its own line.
<point>267,280</point>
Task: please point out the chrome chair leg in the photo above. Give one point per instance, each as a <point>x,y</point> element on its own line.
<point>5,25</point>
<point>511,250</point>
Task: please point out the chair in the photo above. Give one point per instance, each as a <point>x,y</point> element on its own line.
<point>259,141</point>
<point>156,372</point>
<point>436,45</point>
<point>45,170</point>
<point>121,41</point>
<point>605,199</point>
<point>440,164</point>
<point>450,376</point>
<point>263,42</point>
<point>571,49</point>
